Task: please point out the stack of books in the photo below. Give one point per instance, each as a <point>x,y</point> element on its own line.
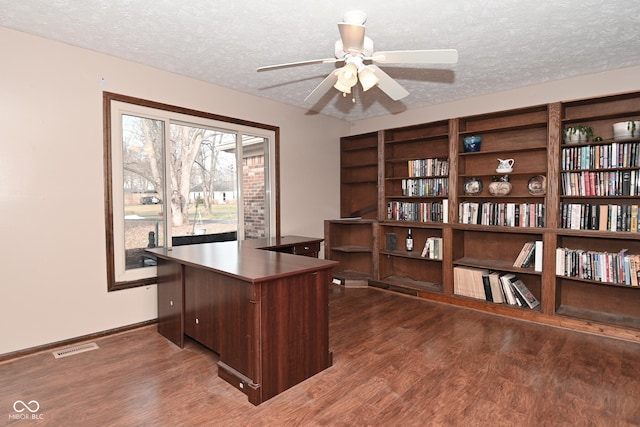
<point>432,248</point>
<point>530,256</point>
<point>493,286</point>
<point>619,268</point>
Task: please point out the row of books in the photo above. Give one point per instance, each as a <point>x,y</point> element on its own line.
<point>425,186</point>
<point>418,211</point>
<point>432,248</point>
<point>601,183</point>
<point>494,286</point>
<point>613,155</point>
<point>502,214</point>
<point>530,256</point>
<point>619,268</point>
<point>609,217</point>
<point>428,167</point>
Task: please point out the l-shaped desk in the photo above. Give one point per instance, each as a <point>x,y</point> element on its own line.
<point>262,308</point>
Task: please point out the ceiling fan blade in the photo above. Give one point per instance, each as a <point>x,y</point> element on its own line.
<point>352,36</point>
<point>297,64</point>
<point>434,56</point>
<point>323,87</point>
<point>388,85</point>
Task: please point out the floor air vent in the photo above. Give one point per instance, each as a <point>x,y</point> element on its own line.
<point>70,351</point>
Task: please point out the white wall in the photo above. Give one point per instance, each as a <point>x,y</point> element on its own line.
<point>52,253</point>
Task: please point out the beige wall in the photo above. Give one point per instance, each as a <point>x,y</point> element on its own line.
<point>52,284</point>
<point>592,85</point>
<point>52,252</point>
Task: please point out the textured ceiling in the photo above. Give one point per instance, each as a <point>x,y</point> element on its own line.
<point>502,44</point>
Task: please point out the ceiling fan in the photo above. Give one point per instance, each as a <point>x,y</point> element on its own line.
<point>356,51</point>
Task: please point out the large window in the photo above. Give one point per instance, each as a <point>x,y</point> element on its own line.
<point>175,176</point>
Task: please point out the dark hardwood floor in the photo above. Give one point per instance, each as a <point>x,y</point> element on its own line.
<point>398,361</point>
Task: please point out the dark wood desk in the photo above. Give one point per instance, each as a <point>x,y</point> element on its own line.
<point>264,311</point>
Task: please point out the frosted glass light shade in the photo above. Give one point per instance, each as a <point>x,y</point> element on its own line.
<point>347,78</point>
<point>368,78</point>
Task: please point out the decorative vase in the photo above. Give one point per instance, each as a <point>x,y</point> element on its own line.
<point>577,134</point>
<point>472,144</point>
<point>500,188</point>
<point>628,129</point>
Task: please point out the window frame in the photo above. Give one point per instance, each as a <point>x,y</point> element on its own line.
<point>107,99</point>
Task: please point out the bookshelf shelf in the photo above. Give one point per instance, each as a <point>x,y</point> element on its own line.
<point>352,249</point>
<point>533,137</point>
<point>406,285</point>
<point>494,265</point>
<point>598,316</point>
<point>435,136</point>
<point>352,243</point>
<point>598,283</point>
<point>413,255</point>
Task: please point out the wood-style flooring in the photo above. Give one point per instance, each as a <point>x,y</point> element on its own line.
<point>398,361</point>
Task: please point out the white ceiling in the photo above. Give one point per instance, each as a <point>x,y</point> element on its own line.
<point>502,44</point>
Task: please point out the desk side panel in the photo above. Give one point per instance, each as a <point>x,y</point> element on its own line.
<point>294,330</point>
<point>170,301</point>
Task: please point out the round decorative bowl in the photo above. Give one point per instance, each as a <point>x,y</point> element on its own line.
<point>472,143</point>
<point>500,188</point>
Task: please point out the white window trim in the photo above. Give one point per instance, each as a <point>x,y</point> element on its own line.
<point>117,108</point>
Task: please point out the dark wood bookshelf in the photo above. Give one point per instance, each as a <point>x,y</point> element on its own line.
<point>533,137</point>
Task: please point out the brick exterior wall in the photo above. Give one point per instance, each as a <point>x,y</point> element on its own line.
<point>254,196</point>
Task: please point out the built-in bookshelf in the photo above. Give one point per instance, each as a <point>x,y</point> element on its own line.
<point>598,238</point>
<point>593,277</point>
<point>409,271</point>
<point>359,176</point>
<point>353,243</point>
<point>416,173</point>
<point>520,135</point>
<point>577,203</point>
<point>497,251</point>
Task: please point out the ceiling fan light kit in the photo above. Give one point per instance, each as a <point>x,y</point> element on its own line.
<point>347,78</point>
<point>356,51</point>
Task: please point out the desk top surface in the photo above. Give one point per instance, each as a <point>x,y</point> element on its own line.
<point>249,260</point>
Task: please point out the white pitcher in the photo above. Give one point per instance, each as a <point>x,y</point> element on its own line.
<point>505,166</point>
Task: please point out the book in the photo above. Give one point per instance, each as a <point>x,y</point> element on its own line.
<point>426,251</point>
<point>560,262</point>
<point>505,280</point>
<point>537,266</point>
<point>633,269</point>
<point>604,213</point>
<point>519,298</point>
<point>488,294</point>
<point>467,281</point>
<point>496,287</point>
<point>525,293</point>
<point>445,211</point>
<point>526,263</point>
<point>524,253</point>
<point>633,221</point>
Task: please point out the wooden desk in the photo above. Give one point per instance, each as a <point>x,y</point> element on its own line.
<point>265,312</point>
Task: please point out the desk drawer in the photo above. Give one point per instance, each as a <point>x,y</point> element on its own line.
<point>306,249</point>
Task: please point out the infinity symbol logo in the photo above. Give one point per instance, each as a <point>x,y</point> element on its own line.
<point>20,404</point>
